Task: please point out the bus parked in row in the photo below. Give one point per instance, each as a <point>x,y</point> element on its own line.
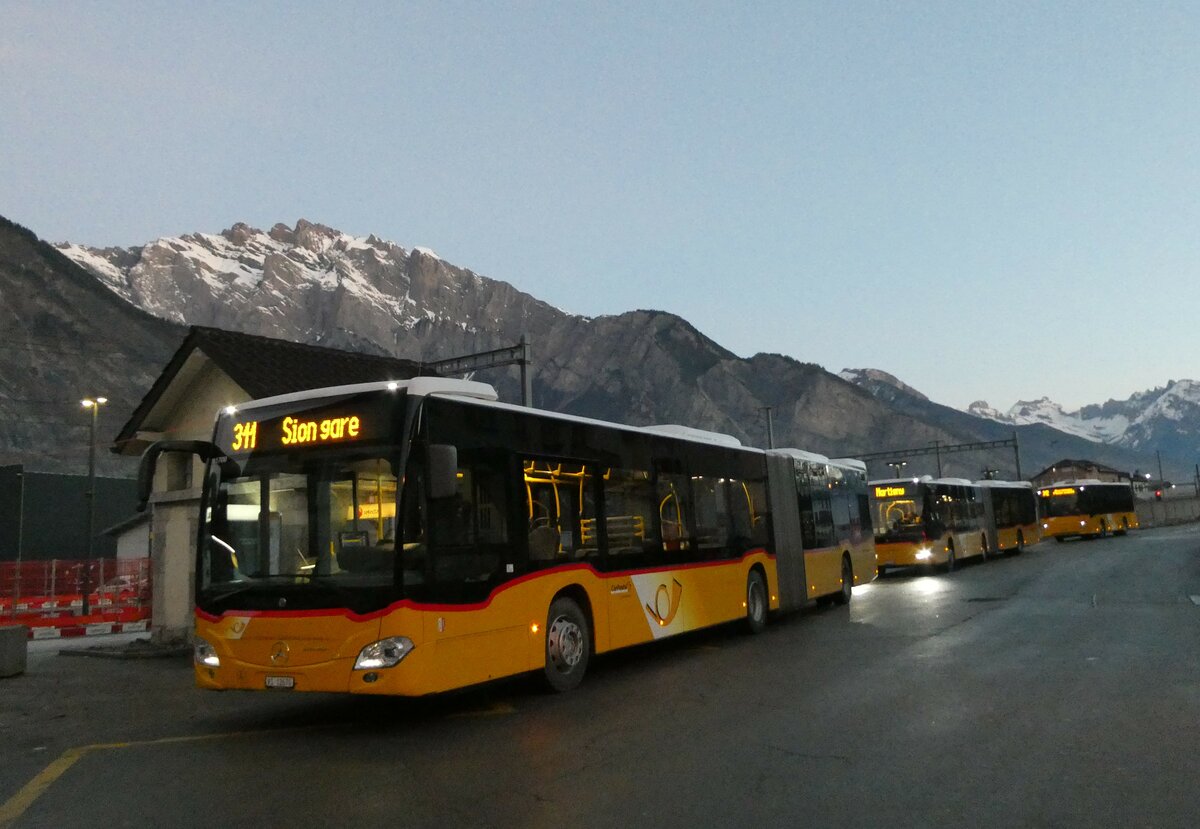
<point>928,521</point>
<point>1012,519</point>
<point>418,536</point>
<point>1087,508</point>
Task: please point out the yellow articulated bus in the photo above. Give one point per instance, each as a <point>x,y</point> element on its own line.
<point>418,536</point>
<point>1012,522</point>
<point>1087,508</point>
<point>927,521</point>
<point>835,520</point>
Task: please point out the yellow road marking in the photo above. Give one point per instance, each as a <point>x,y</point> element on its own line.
<point>17,805</point>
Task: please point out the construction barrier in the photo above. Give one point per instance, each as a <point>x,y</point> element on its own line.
<point>47,596</point>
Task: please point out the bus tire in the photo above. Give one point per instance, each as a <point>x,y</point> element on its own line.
<point>844,595</point>
<point>985,553</point>
<point>1020,548</point>
<point>1103,530</point>
<point>568,644</point>
<point>756,602</point>
<point>951,562</point>
<point>1124,527</point>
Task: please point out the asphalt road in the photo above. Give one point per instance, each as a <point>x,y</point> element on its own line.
<point>1059,688</point>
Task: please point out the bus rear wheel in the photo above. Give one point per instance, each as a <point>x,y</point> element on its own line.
<point>568,644</point>
<point>1103,529</point>
<point>844,595</point>
<point>1124,527</point>
<point>756,602</point>
<point>1020,548</point>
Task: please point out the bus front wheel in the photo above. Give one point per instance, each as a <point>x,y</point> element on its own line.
<point>756,602</point>
<point>568,644</point>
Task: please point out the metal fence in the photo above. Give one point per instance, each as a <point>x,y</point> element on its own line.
<point>47,596</point>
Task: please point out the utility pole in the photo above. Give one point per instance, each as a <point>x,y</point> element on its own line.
<point>526,345</point>
<point>94,404</point>
<point>937,448</point>
<point>770,427</point>
<point>1017,454</point>
<point>1161,479</point>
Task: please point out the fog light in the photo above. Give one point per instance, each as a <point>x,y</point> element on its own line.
<point>383,654</point>
<point>923,554</point>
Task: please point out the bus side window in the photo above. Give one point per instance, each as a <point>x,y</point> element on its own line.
<point>712,517</point>
<point>630,515</point>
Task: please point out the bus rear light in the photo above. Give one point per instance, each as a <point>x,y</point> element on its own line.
<point>385,653</point>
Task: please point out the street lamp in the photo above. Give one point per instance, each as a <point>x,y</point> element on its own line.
<point>897,466</point>
<point>93,403</point>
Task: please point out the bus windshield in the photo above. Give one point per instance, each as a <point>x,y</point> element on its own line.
<point>899,513</point>
<point>298,521</point>
<point>1062,502</point>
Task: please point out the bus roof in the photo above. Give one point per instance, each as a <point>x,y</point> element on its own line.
<point>420,386</point>
<point>1085,482</point>
<point>689,433</point>
<point>1005,484</point>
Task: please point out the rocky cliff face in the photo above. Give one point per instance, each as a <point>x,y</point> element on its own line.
<point>63,337</point>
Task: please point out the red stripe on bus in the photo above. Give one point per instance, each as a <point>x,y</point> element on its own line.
<point>461,608</point>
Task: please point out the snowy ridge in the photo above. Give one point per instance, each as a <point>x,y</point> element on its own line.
<point>1135,423</point>
<point>311,282</point>
<point>867,377</point>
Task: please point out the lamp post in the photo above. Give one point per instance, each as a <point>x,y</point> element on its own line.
<point>897,466</point>
<point>93,403</point>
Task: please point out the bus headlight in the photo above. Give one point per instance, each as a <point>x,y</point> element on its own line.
<point>383,654</point>
<point>923,554</point>
<point>205,654</point>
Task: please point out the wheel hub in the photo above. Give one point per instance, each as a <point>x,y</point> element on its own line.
<point>565,643</point>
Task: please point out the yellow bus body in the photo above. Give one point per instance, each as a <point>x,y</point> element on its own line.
<point>460,645</point>
<point>1009,538</point>
<point>908,553</point>
<point>1068,525</point>
<point>823,567</point>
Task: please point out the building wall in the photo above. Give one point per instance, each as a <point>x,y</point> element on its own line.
<point>1074,472</point>
<point>1171,511</point>
<point>134,542</point>
<point>176,503</point>
<point>49,514</point>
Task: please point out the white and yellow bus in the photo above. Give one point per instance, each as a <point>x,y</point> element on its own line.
<point>419,536</point>
<point>927,521</point>
<point>1012,522</point>
<point>1087,508</point>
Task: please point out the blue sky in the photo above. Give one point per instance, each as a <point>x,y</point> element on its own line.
<point>989,200</point>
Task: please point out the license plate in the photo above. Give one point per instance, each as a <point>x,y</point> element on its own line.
<point>281,682</point>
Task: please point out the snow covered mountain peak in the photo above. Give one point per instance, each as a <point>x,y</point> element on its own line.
<point>1146,420</point>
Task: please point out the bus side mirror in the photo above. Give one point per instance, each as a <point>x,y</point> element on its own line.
<point>443,470</point>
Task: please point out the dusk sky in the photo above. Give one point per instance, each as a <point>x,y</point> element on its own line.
<point>988,200</point>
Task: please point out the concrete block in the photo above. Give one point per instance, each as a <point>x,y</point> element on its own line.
<point>13,649</point>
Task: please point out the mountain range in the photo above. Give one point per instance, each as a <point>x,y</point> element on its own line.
<point>108,318</point>
<point>1163,419</point>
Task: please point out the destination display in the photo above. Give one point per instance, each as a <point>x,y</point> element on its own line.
<point>890,492</point>
<point>357,422</point>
